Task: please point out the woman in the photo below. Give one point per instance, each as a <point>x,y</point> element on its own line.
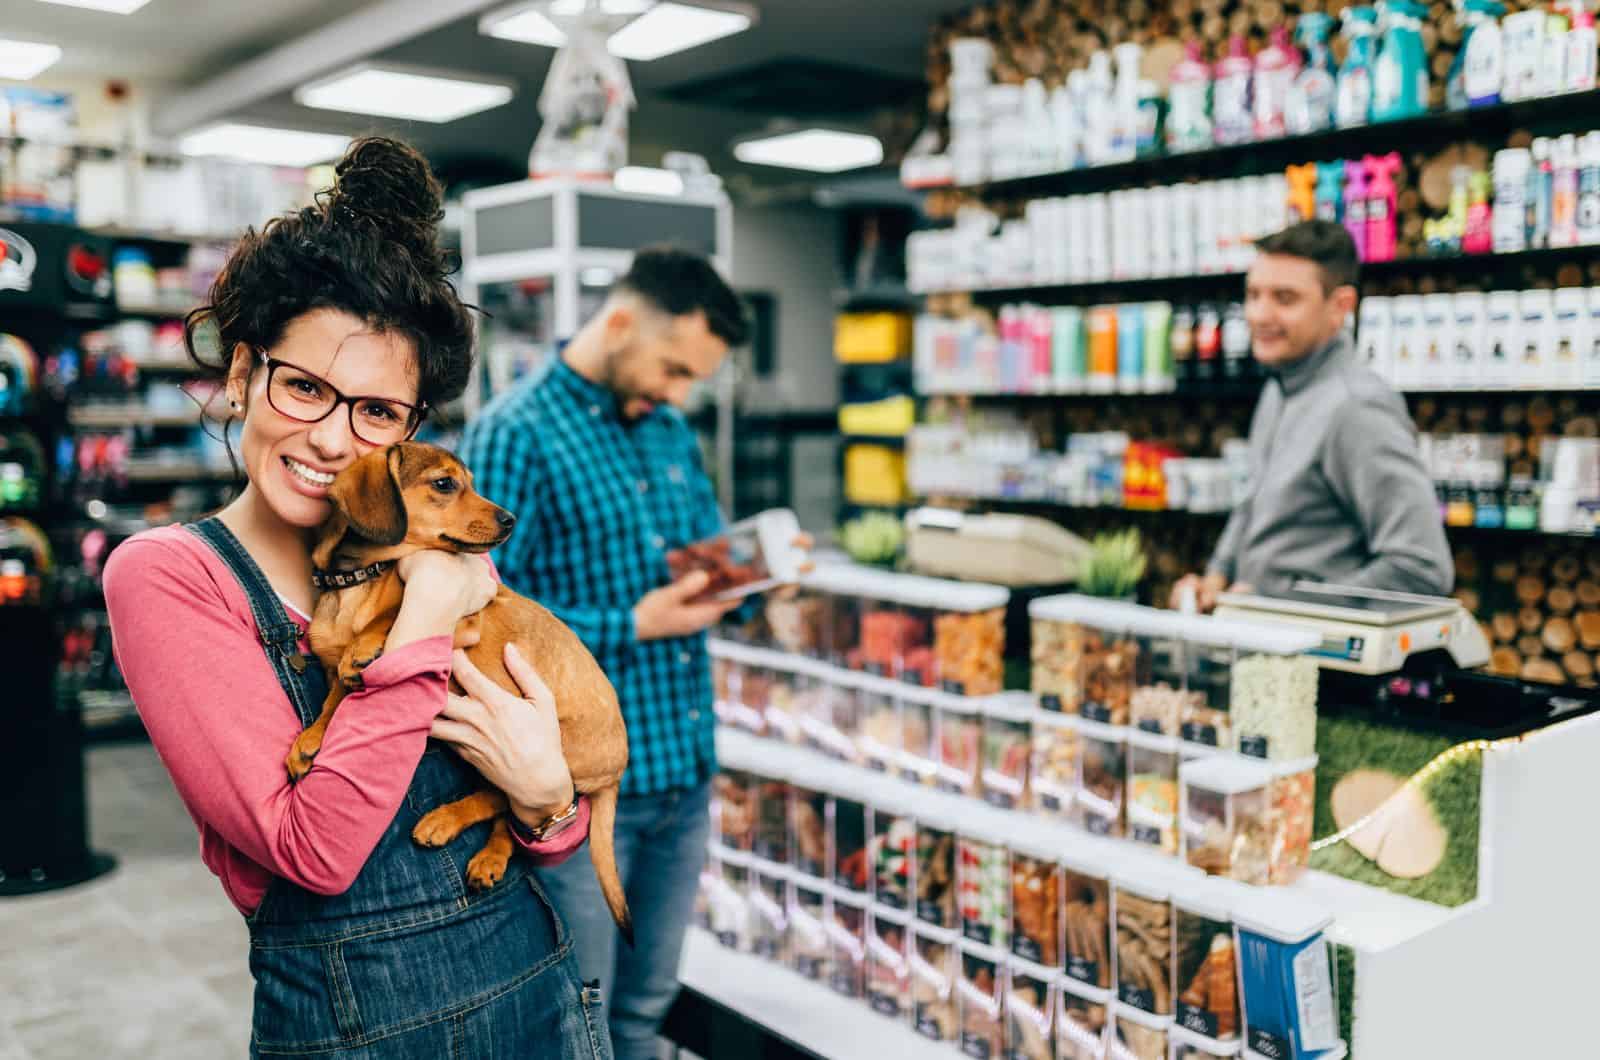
<point>362,943</point>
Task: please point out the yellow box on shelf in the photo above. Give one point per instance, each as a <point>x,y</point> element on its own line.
<point>890,417</point>
<point>874,474</point>
<point>871,338</point>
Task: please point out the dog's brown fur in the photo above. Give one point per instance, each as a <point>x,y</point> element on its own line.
<point>396,501</point>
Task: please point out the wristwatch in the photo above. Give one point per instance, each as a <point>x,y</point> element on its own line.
<point>552,826</point>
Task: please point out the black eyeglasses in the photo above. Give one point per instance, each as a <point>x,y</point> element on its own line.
<point>305,397</point>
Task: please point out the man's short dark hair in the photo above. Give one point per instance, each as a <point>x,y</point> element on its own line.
<point>1324,242</point>
<point>681,282</point>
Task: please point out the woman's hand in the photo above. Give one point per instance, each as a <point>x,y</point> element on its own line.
<point>514,742</point>
<point>458,584</point>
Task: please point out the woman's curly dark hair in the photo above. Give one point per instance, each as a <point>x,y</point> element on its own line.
<point>369,247</point>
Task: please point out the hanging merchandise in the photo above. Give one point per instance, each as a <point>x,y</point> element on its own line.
<point>1188,123</point>
<point>1564,192</point>
<point>1475,76</point>
<point>585,101</point>
<point>1231,112</point>
<point>1355,205</point>
<point>1330,191</point>
<point>1381,196</point>
<point>1400,76</point>
<point>1311,96</point>
<point>1353,105</point>
<point>1582,46</point>
<point>1478,235</point>
<point>1302,190</point>
<point>1589,189</point>
<point>1277,67</point>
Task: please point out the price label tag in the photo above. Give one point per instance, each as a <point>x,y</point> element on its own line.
<point>977,932</point>
<point>1201,734</point>
<point>1269,1045</point>
<point>1026,948</point>
<point>1084,971</point>
<point>930,912</point>
<point>1254,746</point>
<point>1129,994</point>
<point>1050,701</point>
<point>1150,725</point>
<point>1143,833</point>
<point>1097,712</point>
<point>1197,1019</point>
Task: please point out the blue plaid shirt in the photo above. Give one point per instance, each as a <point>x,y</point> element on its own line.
<point>599,502</point>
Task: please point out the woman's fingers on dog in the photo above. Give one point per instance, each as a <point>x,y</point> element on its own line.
<point>470,677</point>
<point>527,678</point>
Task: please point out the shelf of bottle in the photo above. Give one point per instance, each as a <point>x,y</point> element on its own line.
<point>1569,112</point>
<point>176,473</point>
<point>112,416</point>
<point>1198,390</point>
<point>156,310</point>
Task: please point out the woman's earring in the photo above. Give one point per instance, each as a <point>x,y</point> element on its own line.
<point>235,406</point>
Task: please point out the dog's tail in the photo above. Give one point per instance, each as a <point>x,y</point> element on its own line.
<point>603,852</point>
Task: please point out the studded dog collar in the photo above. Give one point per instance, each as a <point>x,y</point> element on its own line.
<point>344,579</point>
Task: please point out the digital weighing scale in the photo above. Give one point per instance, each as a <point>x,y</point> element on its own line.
<point>1001,548</point>
<point>1367,631</point>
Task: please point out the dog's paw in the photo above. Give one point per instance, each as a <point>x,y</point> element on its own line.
<point>487,868</point>
<point>350,670</point>
<point>436,828</point>
<point>298,761</point>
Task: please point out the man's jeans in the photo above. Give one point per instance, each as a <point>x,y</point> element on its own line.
<point>661,846</point>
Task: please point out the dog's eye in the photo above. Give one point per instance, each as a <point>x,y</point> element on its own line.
<point>445,484</point>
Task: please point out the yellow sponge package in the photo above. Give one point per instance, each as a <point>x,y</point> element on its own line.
<point>874,474</point>
<point>871,338</point>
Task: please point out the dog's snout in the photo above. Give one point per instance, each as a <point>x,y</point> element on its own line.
<point>505,519</point>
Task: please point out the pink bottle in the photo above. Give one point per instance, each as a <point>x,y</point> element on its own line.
<point>1355,205</point>
<point>1277,65</point>
<point>1381,194</point>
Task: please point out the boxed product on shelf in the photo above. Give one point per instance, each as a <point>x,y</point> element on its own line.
<point>1057,652</point>
<point>1030,1011</point>
<point>1007,744</point>
<point>730,902</point>
<point>1035,905</point>
<point>981,989</point>
<point>919,752</point>
<point>810,951</point>
<point>769,913</point>
<point>850,862</point>
<point>983,879</point>
<point>1053,766</point>
<point>1139,1035</point>
<point>893,855</point>
<point>1144,944</point>
<point>1274,695</point>
<point>958,726</point>
<point>1188,1046</point>
<point>770,841</point>
<point>809,829</point>
<point>1226,817</point>
<point>847,938</point>
<point>1086,923</point>
<point>879,741</point>
<point>1081,1022</point>
<point>932,960</point>
<point>897,638</point>
<point>888,969</point>
<point>936,875</point>
<point>1152,809</point>
<point>1289,998</point>
<point>1209,655</point>
<point>1102,777</point>
<point>1204,960</point>
<point>736,809</point>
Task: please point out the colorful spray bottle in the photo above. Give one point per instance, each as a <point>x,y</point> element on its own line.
<point>1355,205</point>
<point>1400,75</point>
<point>1353,105</point>
<point>1302,190</point>
<point>1478,237</point>
<point>1582,49</point>
<point>1330,191</point>
<point>1311,96</point>
<point>1189,99</point>
<point>1230,96</point>
<point>1381,196</point>
<point>1474,79</point>
<point>1277,66</point>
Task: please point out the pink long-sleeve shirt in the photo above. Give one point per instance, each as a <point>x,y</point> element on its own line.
<point>187,644</point>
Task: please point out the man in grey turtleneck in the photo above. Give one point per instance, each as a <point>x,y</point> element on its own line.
<point>1338,492</point>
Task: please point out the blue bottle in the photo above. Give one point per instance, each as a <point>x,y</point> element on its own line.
<point>1312,96</point>
<point>1330,191</point>
<point>1353,105</point>
<point>1400,74</point>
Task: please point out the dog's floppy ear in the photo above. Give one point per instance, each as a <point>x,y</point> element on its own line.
<point>367,494</point>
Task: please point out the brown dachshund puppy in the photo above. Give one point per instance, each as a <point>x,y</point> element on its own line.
<point>408,497</point>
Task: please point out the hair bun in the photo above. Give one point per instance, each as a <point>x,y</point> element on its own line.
<point>388,184</point>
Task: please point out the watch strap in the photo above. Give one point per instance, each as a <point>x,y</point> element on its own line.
<point>540,833</point>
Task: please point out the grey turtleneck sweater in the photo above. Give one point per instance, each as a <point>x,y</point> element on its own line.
<point>1338,492</point>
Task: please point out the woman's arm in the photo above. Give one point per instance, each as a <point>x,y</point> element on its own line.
<point>220,721</point>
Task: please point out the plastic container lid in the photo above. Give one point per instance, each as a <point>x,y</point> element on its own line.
<point>958,704</point>
<point>1295,766</point>
<point>1054,719</point>
<point>771,869</point>
<point>982,952</point>
<point>1213,897</point>
<point>1156,884</point>
<point>1281,917</point>
<point>1272,640</point>
<point>1141,1017</point>
<point>1101,613</point>
<point>1226,774</point>
<point>1338,1052</point>
<point>1152,741</point>
<point>1210,1046</point>
<point>737,858</point>
<point>899,917</point>
<point>1009,706</point>
<point>848,897</point>
<point>920,694</point>
<point>1084,992</point>
<point>1101,731</point>
<point>943,936</point>
<point>1033,970</point>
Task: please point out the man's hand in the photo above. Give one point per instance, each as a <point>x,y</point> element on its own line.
<point>667,612</point>
<point>1205,589</point>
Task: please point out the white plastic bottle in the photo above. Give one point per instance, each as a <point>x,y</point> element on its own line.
<point>1375,335</point>
<point>1509,223</point>
<point>1582,46</point>
<point>1570,314</point>
<point>1589,189</point>
<point>1591,351</point>
<point>1499,356</point>
<point>1468,335</point>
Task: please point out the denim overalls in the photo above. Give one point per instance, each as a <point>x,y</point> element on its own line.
<point>408,963</point>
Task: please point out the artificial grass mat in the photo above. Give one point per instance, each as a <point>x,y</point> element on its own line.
<point>1344,745</point>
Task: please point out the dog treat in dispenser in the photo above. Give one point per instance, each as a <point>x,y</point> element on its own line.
<point>969,637</point>
<point>809,828</point>
<point>847,598</point>
<point>1081,1019</point>
<point>1057,651</point>
<point>1226,823</point>
<point>1086,923</point>
<point>878,737</point>
<point>750,556</point>
<point>1159,698</point>
<point>736,809</point>
<point>959,728</point>
<point>1208,665</point>
<point>1204,960</point>
<point>1139,1035</point>
<point>812,709</point>
<point>914,661</point>
<point>896,641</point>
<point>710,879</point>
<point>888,969</point>
<point>1274,694</point>
<point>1007,744</point>
<point>1112,665</point>
<point>1053,766</point>
<point>1035,906</point>
<point>730,903</point>
<point>798,624</point>
<point>749,710</point>
<point>1189,1046</point>
<point>726,677</point>
<point>810,951</point>
<point>1153,791</point>
<point>1031,1011</point>
<point>771,840</point>
<point>781,719</point>
<point>932,958</point>
<point>984,881</point>
<point>769,913</point>
<point>936,875</point>
<point>919,753</point>
<point>1102,777</point>
<point>1291,807</point>
<point>981,989</point>
<point>847,938</point>
<point>841,737</point>
<point>1144,945</point>
<point>893,855</point>
<point>1289,1000</point>
<point>850,868</point>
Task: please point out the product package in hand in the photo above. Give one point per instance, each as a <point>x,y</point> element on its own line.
<point>751,556</point>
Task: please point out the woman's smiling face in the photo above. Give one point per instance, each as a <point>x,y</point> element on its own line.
<point>290,464</point>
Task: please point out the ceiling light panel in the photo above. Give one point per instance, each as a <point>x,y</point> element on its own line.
<point>397,92</point>
<point>23,60</point>
<point>671,27</point>
<point>263,144</point>
<point>115,7</point>
<point>817,150</point>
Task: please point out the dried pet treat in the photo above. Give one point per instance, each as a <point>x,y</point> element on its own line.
<point>847,936</point>
<point>811,953</point>
<point>797,625</point>
<point>1144,952</point>
<point>936,877</point>
<point>1102,779</point>
<point>715,557</point>
<point>1030,1012</point>
<point>1137,1041</point>
<point>985,889</point>
<point>808,832</point>
<point>772,821</point>
<point>969,651</point>
<point>982,1030</point>
<point>1206,726</point>
<point>919,756</point>
<point>1227,829</point>
<point>1080,1028</point>
<point>1035,908</point>
<point>769,917</point>
<point>841,736</point>
<point>879,741</point>
<point>850,868</point>
<point>933,1000</point>
<point>730,906</point>
<point>1153,791</point>
<point>1053,767</point>
<point>811,706</point>
<point>1057,656</point>
<point>1086,916</point>
<point>736,809</point>
<point>1006,747</point>
<point>1289,813</point>
<point>1209,1001</point>
<point>888,971</point>
<point>960,734</point>
<point>1274,706</point>
<point>1110,668</point>
<point>1160,708</point>
<point>894,842</point>
<point>889,636</point>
